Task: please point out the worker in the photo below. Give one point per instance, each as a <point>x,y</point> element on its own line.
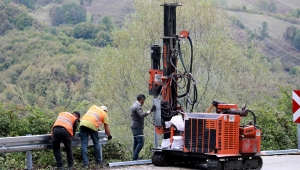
<point>137,124</point>
<point>90,124</point>
<point>64,130</point>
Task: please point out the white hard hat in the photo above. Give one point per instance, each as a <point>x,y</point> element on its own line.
<point>104,108</point>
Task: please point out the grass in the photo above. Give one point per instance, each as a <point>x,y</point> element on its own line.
<point>254,21</point>
<point>117,9</point>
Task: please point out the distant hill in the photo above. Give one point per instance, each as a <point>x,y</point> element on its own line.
<point>279,15</point>
<point>117,9</point>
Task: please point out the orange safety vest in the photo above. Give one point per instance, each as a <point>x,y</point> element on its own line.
<point>66,120</point>
<point>95,115</point>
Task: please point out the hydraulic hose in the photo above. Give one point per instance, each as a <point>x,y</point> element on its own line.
<point>254,116</point>
<point>192,54</point>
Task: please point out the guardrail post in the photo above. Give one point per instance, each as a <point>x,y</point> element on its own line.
<point>28,158</point>
<point>101,152</point>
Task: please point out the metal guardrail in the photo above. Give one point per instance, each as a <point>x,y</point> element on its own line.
<point>280,152</point>
<point>31,143</point>
<point>127,163</point>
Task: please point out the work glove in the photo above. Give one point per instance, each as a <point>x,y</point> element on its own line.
<point>148,112</point>
<point>109,137</point>
<point>153,108</point>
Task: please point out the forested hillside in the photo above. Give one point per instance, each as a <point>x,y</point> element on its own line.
<point>273,26</point>
<point>65,55</point>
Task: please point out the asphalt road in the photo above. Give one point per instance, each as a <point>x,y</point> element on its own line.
<point>284,162</point>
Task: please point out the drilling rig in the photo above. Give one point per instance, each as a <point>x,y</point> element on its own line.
<point>217,139</point>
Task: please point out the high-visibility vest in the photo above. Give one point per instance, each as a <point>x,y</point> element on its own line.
<point>95,115</point>
<point>66,120</point>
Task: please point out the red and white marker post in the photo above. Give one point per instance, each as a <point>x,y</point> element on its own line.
<point>296,112</point>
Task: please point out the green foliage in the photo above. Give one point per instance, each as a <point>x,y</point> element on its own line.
<point>277,66</point>
<point>237,22</point>
<point>114,151</point>
<point>275,120</point>
<point>5,25</point>
<point>81,2</point>
<point>70,13</point>
<point>296,41</point>
<point>23,21</point>
<point>101,34</point>
<point>290,33</point>
<point>294,70</point>
<point>267,6</point>
<point>108,23</point>
<point>264,30</point>
<point>35,69</point>
<point>28,3</point>
<point>89,17</point>
<point>104,32</point>
<point>13,11</point>
<point>296,13</point>
<point>84,30</point>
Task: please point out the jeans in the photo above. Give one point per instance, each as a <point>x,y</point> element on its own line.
<point>60,134</point>
<point>84,135</point>
<point>138,136</point>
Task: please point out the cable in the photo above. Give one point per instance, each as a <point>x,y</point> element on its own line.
<point>254,116</point>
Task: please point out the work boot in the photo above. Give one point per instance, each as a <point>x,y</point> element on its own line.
<point>71,168</point>
<point>86,166</point>
<point>99,165</point>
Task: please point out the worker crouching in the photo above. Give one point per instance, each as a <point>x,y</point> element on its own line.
<point>64,130</point>
<point>90,123</point>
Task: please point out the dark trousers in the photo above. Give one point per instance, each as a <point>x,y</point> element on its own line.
<point>138,142</point>
<point>85,132</point>
<point>60,134</point>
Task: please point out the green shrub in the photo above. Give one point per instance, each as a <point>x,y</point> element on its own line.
<point>69,13</point>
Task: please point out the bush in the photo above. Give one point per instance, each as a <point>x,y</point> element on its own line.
<point>237,22</point>
<point>84,30</point>
<point>290,33</point>
<point>23,21</point>
<point>275,121</point>
<point>296,41</point>
<point>294,71</point>
<point>28,3</point>
<point>68,14</point>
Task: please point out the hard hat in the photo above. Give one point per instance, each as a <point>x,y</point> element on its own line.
<point>104,108</point>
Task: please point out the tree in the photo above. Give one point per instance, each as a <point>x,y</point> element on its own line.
<point>28,3</point>
<point>264,30</point>
<point>108,23</point>
<point>103,38</point>
<point>67,14</point>
<point>5,25</point>
<point>296,41</point>
<point>84,30</point>
<point>272,7</point>
<point>23,21</point>
<point>290,33</point>
<point>276,65</point>
<point>13,11</point>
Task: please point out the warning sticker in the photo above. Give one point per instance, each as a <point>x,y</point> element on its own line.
<point>231,118</point>
<point>258,133</point>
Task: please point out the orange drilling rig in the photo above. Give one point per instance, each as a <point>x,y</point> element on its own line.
<point>218,139</point>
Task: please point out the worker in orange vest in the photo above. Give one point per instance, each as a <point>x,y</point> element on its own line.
<point>90,123</point>
<point>64,130</point>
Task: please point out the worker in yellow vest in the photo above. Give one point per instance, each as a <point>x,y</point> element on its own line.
<point>90,123</point>
<point>64,130</point>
